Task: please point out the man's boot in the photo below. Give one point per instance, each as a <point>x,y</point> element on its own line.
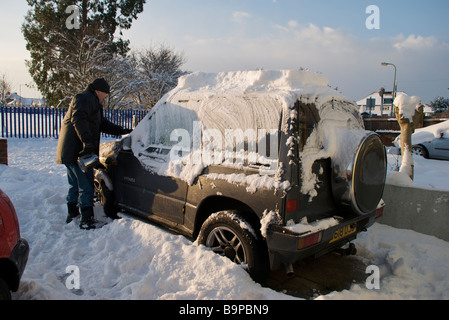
<point>88,221</point>
<point>73,211</point>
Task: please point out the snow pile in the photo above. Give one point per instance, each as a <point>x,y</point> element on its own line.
<point>411,265</point>
<point>130,259</point>
<point>407,105</point>
<point>239,82</point>
<point>429,174</point>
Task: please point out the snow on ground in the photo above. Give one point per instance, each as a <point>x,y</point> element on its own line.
<point>131,259</point>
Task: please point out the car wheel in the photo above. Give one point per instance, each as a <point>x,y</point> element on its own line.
<point>420,151</point>
<point>5,293</point>
<point>230,235</point>
<point>106,199</point>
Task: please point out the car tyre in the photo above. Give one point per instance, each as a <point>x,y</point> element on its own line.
<point>420,151</point>
<point>228,234</point>
<point>5,292</point>
<point>106,199</point>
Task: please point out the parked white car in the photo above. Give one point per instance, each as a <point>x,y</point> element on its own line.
<point>430,142</point>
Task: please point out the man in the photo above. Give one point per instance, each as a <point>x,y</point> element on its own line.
<point>79,136</point>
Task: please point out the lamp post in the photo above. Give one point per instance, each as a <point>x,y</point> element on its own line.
<point>395,85</point>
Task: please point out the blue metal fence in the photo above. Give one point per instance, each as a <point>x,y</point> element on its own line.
<point>36,122</point>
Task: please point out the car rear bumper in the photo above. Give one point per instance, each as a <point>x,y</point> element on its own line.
<point>284,245</point>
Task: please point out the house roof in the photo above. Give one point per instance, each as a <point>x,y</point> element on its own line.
<point>15,99</point>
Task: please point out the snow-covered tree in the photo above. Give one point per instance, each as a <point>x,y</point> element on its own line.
<point>140,79</point>
<point>440,104</point>
<point>158,70</point>
<point>81,60</point>
<point>51,40</point>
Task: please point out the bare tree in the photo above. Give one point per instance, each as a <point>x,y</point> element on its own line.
<point>5,88</point>
<point>159,70</point>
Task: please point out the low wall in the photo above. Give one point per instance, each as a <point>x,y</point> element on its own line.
<point>422,210</point>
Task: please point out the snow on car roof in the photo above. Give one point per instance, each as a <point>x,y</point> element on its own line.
<point>286,85</point>
<point>241,100</point>
<point>217,99</point>
<point>251,80</point>
<point>431,132</point>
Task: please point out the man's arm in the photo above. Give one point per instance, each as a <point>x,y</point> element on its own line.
<point>80,121</point>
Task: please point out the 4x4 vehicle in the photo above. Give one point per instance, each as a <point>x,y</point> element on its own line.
<point>13,249</point>
<point>264,167</point>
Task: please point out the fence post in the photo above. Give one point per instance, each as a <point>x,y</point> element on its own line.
<point>3,151</point>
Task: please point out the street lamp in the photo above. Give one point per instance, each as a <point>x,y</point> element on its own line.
<point>395,85</point>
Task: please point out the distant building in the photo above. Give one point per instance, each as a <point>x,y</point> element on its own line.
<point>372,104</point>
<point>14,100</point>
<point>428,111</point>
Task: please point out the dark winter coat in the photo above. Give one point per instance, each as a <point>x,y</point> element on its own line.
<point>82,125</point>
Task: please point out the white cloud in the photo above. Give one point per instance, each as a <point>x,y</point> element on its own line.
<point>240,16</point>
<point>292,23</point>
<point>415,42</point>
<point>351,63</point>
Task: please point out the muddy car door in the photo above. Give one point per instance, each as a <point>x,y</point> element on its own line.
<point>145,192</point>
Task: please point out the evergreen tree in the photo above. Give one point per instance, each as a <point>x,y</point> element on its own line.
<point>69,40</point>
<point>440,104</point>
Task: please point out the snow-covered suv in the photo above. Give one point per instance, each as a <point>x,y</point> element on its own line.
<point>264,167</point>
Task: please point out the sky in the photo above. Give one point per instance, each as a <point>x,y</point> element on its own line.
<point>343,39</point>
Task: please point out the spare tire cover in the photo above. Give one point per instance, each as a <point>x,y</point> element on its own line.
<point>369,174</point>
<point>361,185</point>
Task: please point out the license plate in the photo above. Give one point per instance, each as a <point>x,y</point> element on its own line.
<point>344,232</point>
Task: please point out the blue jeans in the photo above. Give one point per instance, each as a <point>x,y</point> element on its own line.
<point>81,186</point>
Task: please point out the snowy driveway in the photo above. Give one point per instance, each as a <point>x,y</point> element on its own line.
<point>130,259</point>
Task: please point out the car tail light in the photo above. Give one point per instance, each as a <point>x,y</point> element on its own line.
<point>310,240</point>
<point>292,205</point>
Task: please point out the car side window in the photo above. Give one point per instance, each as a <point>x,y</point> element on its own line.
<point>308,120</point>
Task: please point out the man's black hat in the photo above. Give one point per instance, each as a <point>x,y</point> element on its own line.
<point>101,85</point>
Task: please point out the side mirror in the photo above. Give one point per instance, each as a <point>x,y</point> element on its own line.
<point>127,143</point>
